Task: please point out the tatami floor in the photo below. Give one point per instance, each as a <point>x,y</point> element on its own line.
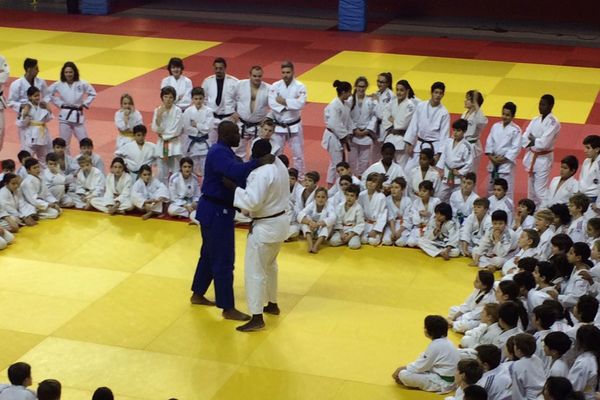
<point>94,300</point>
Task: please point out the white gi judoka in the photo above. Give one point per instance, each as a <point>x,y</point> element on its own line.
<point>495,252</point>
<point>560,191</point>
<point>400,114</point>
<point>222,102</point>
<point>481,334</point>
<point>415,176</point>
<point>429,127</point>
<point>538,158</point>
<point>528,378</point>
<point>17,97</point>
<point>338,127</point>
<point>116,189</point>
<point>434,241</point>
<point>183,87</point>
<point>472,230</point>
<point>265,197</point>
<point>327,215</point>
<point>375,215</point>
<point>497,383</point>
<point>504,204</point>
<point>153,190</point>
<point>37,194</point>
<point>56,184</point>
<point>125,123</point>
<point>71,98</point>
<point>88,186</point>
<point>252,107</point>
<point>15,205</point>
<point>454,156</point>
<point>382,98</point>
<point>197,124</point>
<point>363,120</point>
<point>477,123</point>
<point>135,156</point>
<point>396,215</point>
<point>6,238</point>
<point>33,131</point>
<point>504,141</point>
<point>348,220</point>
<point>287,118</point>
<point>4,75</point>
<point>415,223</point>
<point>589,178</point>
<point>184,193</point>
<point>169,141</point>
<point>462,207</point>
<point>392,172</point>
<point>584,374</point>
<point>468,315</point>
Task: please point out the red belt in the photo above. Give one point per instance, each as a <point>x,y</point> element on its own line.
<point>535,156</point>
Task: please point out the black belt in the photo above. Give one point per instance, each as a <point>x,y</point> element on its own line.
<point>472,141</point>
<point>196,139</point>
<point>71,109</point>
<point>216,200</point>
<point>429,142</point>
<point>246,124</point>
<point>222,116</point>
<point>270,216</point>
<point>287,124</point>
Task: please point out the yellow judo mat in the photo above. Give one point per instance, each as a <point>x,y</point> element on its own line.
<point>94,300</point>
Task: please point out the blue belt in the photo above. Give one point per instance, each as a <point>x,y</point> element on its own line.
<point>196,139</point>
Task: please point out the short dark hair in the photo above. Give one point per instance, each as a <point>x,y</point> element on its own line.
<point>8,164</point>
<point>561,211</point>
<point>592,140</point>
<point>400,181</point>
<point>140,128</point>
<point>509,313</point>
<point>293,172</point>
<point>460,125</point>
<point>571,161</point>
<point>471,176</point>
<point>186,160</point>
<point>472,370</point>
<point>528,204</point>
<point>60,142</point>
<point>220,60</point>
<point>284,159</point>
<point>30,162</point>
<point>388,146</point>
<point>86,142</point>
<point>342,164</point>
<point>527,263</point>
<point>558,341</point>
<point>594,223</point>
<point>547,271</point>
<point>587,308</point>
<point>489,354</point>
<point>18,373</point>
<point>353,188</point>
<point>313,176</point>
<point>483,202</point>
<point>32,90</point>
<point>510,106</point>
<point>444,209</point>
<point>524,280</point>
<point>533,235</point>
<point>287,64</point>
<point>260,148</point>
<point>438,85</point>
<point>501,182</point>
<point>198,91</point>
<point>500,215</point>
<point>168,90</point>
<point>29,63</point>
<point>549,99</point>
<point>49,389</point>
<point>546,315</point>
<point>51,157</point>
<point>103,393</point>
<point>436,326</point>
<point>174,62</point>
<point>580,201</point>
<point>526,343</point>
<point>475,392</point>
<point>427,185</point>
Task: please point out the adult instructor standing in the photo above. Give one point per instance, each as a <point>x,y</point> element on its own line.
<point>215,213</point>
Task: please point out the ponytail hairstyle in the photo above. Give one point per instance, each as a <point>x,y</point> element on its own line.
<point>559,388</point>
<point>119,160</point>
<point>388,78</point>
<point>409,89</point>
<point>342,87</point>
<point>9,176</point>
<point>360,79</point>
<point>475,96</point>
<point>143,168</point>
<point>487,280</point>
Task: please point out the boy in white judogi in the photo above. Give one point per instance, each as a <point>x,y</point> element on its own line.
<point>117,191</point>
<point>475,226</point>
<point>441,235</point>
<point>137,152</point>
<point>197,121</point>
<point>167,124</point>
<point>364,123</point>
<point>219,92</point>
<point>455,161</point>
<point>4,75</point>
<point>578,205</point>
<point>386,166</point>
<point>484,332</point>
<point>338,127</point>
<point>350,222</point>
<point>398,207</point>
<point>527,372</point>
<point>496,379</point>
<point>538,140</point>
<point>86,147</point>
<point>496,244</point>
<point>502,148</point>
<point>425,171</point>
<point>182,84</point>
<point>56,182</point>
<point>32,125</point>
<point>565,185</point>
<point>500,201</point>
<point>89,183</point>
<point>251,108</point>
<point>126,118</point>
<point>373,204</point>
<point>397,115</point>
<point>184,191</point>
<point>421,212</point>
<point>287,98</point>
<point>543,224</point>
<point>36,193</point>
<point>429,126</point>
<point>527,243</point>
<point>434,370</point>
<point>149,194</point>
<point>265,131</point>
<point>589,175</point>
<point>462,200</point>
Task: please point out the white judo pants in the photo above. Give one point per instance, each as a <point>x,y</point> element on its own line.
<point>6,238</point>
<point>99,203</point>
<point>433,249</point>
<point>175,210</point>
<point>537,185</point>
<point>261,273</point>
<point>427,381</point>
<point>67,129</point>
<point>296,141</point>
<point>166,167</point>
<point>2,125</point>
<point>359,157</point>
<point>336,240</point>
<point>48,213</point>
<point>387,236</point>
<point>335,156</point>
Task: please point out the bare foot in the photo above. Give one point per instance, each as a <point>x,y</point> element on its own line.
<point>201,300</point>
<point>148,215</point>
<point>235,315</point>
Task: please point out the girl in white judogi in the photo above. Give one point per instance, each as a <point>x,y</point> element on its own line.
<point>383,96</point>
<point>398,206</point>
<point>425,171</point>
<point>364,121</point>
<point>36,193</point>
<point>19,212</point>
<point>56,181</point>
<point>317,220</point>
<point>71,95</point>
<point>502,148</point>
<point>167,125</point>
<point>538,140</point>
<point>338,126</point>
<point>373,204</point>
<point>468,314</point>
<point>350,221</point>
<point>455,161</point>
<point>197,122</point>
<point>184,191</point>
<point>126,118</point>
<point>396,118</point>
<point>117,192</point>
<point>138,152</point>
<point>477,122</point>
<point>584,372</point>
<point>182,84</point>
<point>475,226</point>
<point>564,186</point>
<point>89,183</point>
<point>421,211</point>
<point>441,235</point>
<point>149,194</point>
<point>32,125</point>
<point>484,333</point>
